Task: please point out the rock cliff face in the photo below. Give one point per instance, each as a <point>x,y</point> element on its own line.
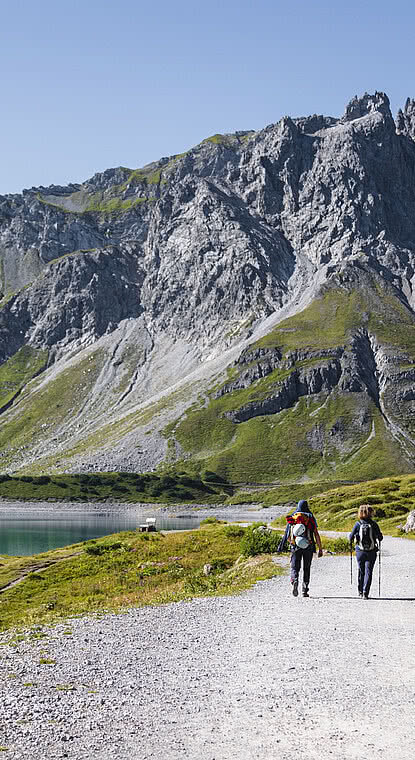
<point>166,275</point>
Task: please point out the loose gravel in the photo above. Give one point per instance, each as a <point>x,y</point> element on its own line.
<point>259,675</point>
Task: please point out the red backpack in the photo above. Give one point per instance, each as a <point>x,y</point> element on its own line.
<point>301,529</point>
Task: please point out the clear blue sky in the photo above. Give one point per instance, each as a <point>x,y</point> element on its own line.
<point>91,84</point>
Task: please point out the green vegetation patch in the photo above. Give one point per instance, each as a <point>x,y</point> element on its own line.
<point>280,446</point>
<point>321,436</point>
<point>150,176</point>
<point>227,140</point>
<point>326,323</point>
<point>336,509</point>
<point>392,498</point>
<point>113,205</point>
<point>287,493</point>
<point>392,322</point>
<point>331,319</point>
<point>39,411</point>
<point>114,486</point>
<point>131,569</point>
<point>16,372</point>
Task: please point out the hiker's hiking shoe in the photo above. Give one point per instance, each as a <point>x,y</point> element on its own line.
<point>295,588</point>
<point>361,594</point>
<point>305,592</point>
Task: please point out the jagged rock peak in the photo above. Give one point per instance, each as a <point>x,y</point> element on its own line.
<point>405,120</point>
<point>311,124</point>
<point>286,127</point>
<point>108,178</point>
<point>365,105</point>
<point>52,189</point>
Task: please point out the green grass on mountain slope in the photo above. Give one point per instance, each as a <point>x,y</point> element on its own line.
<point>41,409</point>
<point>227,140</point>
<point>115,486</point>
<point>16,372</point>
<point>113,205</point>
<point>280,446</point>
<point>331,318</point>
<point>326,323</point>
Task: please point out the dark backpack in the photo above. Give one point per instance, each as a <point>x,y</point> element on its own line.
<point>366,537</point>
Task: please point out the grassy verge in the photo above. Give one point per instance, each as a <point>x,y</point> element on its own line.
<point>287,493</point>
<point>336,509</point>
<point>127,569</point>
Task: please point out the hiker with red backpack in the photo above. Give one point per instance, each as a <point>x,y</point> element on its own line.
<point>368,538</point>
<point>302,536</point>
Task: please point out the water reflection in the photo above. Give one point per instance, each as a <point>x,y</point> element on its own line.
<point>24,533</point>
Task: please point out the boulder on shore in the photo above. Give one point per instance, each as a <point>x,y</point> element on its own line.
<point>410,522</point>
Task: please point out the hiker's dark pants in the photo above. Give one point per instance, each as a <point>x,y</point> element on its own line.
<point>366,562</point>
<point>304,555</point>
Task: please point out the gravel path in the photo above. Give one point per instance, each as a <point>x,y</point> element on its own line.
<point>260,675</point>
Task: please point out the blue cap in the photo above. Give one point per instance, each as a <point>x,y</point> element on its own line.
<point>302,505</point>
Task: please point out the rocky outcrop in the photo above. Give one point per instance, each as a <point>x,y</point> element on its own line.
<point>409,526</point>
<point>405,120</point>
<point>76,300</point>
<point>299,383</point>
<point>361,367</point>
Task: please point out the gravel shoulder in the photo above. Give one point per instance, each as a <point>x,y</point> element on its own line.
<point>261,674</point>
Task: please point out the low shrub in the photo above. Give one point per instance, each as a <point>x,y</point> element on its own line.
<point>83,477</point>
<point>255,541</point>
<point>336,545</point>
<point>212,477</point>
<point>97,549</point>
<point>211,521</point>
<point>234,531</point>
<point>186,480</point>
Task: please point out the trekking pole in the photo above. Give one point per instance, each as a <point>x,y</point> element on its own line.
<point>351,564</point>
<point>380,554</point>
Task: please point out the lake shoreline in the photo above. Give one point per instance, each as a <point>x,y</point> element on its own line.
<point>29,528</point>
<point>145,508</point>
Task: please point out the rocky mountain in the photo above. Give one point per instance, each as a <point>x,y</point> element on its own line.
<point>246,307</point>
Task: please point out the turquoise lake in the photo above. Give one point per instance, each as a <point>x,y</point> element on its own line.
<point>25,533</point>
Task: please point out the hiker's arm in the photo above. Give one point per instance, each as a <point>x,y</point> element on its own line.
<point>353,533</point>
<point>318,541</point>
<point>379,533</point>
